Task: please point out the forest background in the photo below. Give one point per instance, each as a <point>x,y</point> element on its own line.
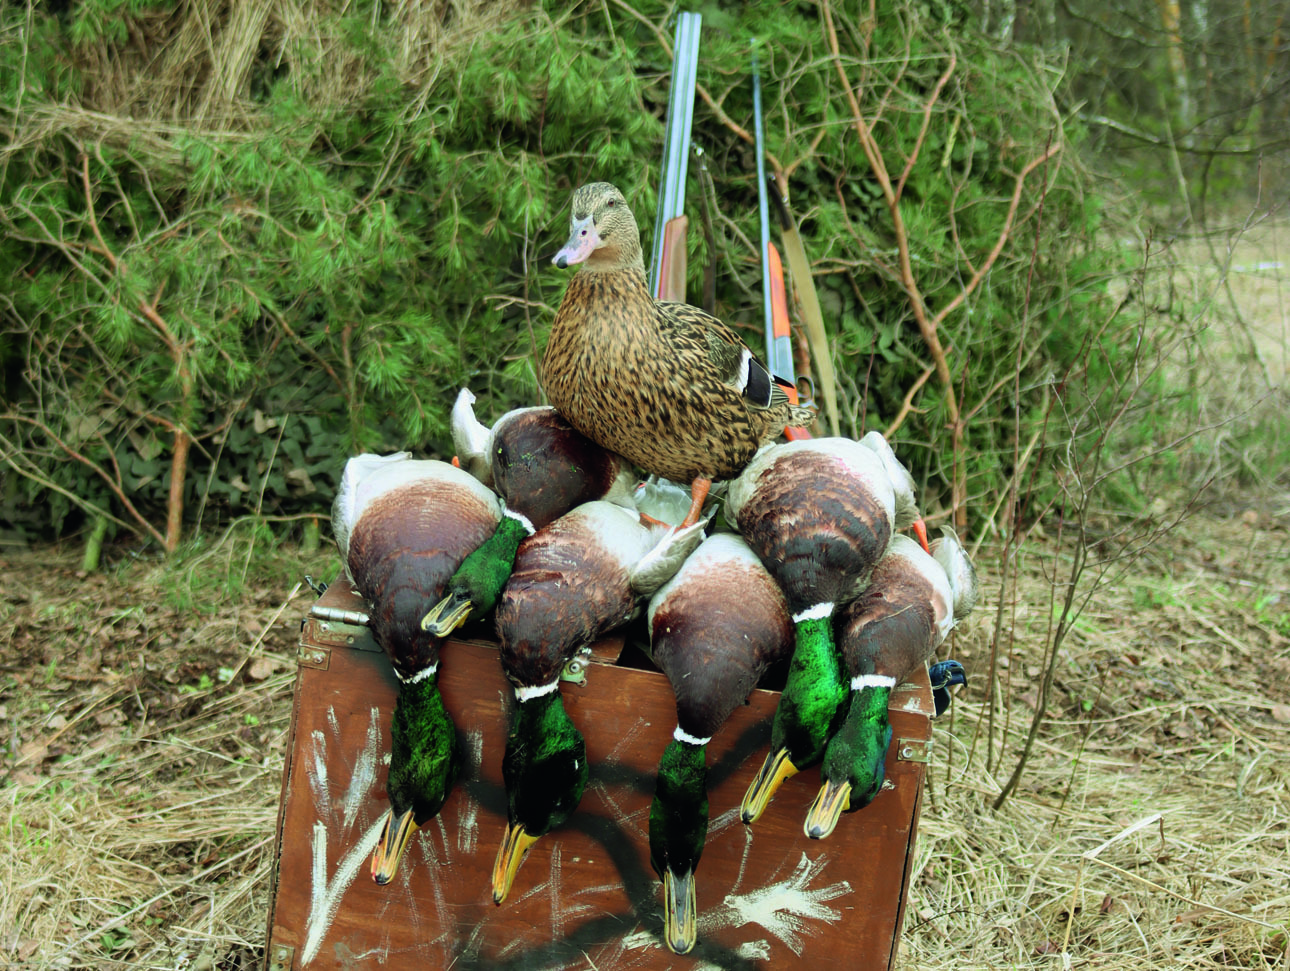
<point>242,241</point>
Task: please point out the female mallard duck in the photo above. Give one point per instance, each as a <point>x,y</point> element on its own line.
<point>819,512</point>
<point>541,468</point>
<point>403,526</point>
<point>664,384</point>
<point>912,602</point>
<point>714,629</point>
<point>573,582</point>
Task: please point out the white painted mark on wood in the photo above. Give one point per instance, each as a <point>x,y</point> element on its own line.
<point>468,809</point>
<point>758,950</point>
<point>623,818</point>
<point>557,907</point>
<point>727,818</point>
<point>783,908</point>
<point>443,835</point>
<point>364,774</point>
<point>317,767</point>
<point>743,860</point>
<point>325,895</point>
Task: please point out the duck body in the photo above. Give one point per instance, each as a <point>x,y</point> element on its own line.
<point>403,526</point>
<point>573,582</point>
<point>890,630</point>
<point>669,387</point>
<point>819,513</point>
<point>541,467</point>
<point>714,629</point>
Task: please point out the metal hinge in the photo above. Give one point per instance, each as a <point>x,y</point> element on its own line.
<point>312,656</point>
<point>279,958</point>
<point>914,749</point>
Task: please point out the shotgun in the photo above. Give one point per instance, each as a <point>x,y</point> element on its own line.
<point>779,339</point>
<point>811,315</point>
<point>668,262</point>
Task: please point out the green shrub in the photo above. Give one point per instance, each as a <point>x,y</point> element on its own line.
<point>294,242</point>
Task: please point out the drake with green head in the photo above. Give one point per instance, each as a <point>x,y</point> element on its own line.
<point>714,629</point>
<point>573,582</point>
<point>542,468</point>
<point>911,604</point>
<point>403,526</point>
<point>819,513</point>
<point>664,384</point>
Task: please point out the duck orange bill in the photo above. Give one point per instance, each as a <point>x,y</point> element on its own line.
<point>920,530</point>
<point>770,777</point>
<point>833,799</point>
<point>680,921</point>
<point>447,615</point>
<point>515,846</point>
<point>395,834</point>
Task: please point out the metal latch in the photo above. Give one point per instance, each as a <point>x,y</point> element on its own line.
<point>313,656</point>
<point>280,957</point>
<point>914,749</point>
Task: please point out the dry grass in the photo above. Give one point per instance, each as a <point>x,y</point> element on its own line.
<point>1156,807</point>
<point>142,797</point>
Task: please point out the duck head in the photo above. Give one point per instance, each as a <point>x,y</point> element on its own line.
<point>944,675</point>
<point>808,710</point>
<point>855,760</point>
<point>602,231</point>
<point>425,759</point>
<point>545,771</point>
<point>541,467</point>
<point>678,828</point>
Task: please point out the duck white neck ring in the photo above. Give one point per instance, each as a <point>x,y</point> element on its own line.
<point>520,518</point>
<point>420,675</point>
<point>681,735</point>
<point>818,612</point>
<point>872,681</point>
<point>526,692</point>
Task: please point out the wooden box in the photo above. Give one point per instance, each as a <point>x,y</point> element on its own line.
<point>586,896</point>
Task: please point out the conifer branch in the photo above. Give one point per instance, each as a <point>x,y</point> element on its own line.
<point>116,486</point>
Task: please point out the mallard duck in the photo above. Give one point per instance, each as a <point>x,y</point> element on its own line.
<point>714,629</point>
<point>912,602</point>
<point>573,582</point>
<point>542,468</point>
<point>819,512</point>
<point>667,386</point>
<point>403,526</point>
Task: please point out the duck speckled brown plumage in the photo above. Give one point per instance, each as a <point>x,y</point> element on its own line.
<point>669,387</point>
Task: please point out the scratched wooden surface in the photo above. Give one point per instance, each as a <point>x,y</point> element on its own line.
<point>586,896</point>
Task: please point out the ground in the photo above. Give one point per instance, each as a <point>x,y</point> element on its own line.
<point>147,707</point>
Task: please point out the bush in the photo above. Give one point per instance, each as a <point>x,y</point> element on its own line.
<point>289,241</point>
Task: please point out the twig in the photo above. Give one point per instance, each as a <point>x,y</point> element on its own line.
<point>89,210</point>
<point>907,405</point>
<point>115,487</point>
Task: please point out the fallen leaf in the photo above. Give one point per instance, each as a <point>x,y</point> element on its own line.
<point>261,668</point>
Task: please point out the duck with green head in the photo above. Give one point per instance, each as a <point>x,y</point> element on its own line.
<point>573,582</point>
<point>542,468</point>
<point>819,513</point>
<point>714,629</point>
<point>911,604</point>
<point>403,526</point>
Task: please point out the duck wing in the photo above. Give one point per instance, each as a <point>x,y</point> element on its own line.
<point>720,351</point>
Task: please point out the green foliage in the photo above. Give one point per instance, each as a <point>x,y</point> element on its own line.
<point>310,260</point>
